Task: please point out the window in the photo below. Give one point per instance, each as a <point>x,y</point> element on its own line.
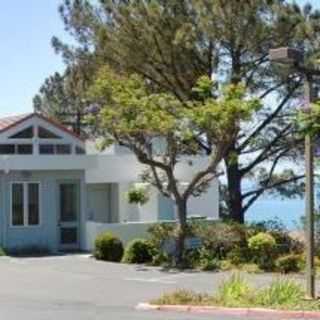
<point>46,148</point>
<point>17,204</point>
<point>33,204</point>
<point>63,149</point>
<point>25,204</point>
<point>24,148</point>
<point>7,149</point>
<point>23,134</point>
<point>80,150</point>
<point>46,134</point>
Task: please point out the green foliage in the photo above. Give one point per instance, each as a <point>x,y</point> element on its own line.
<point>208,261</point>
<point>138,196</point>
<point>234,291</point>
<point>2,252</point>
<point>108,248</point>
<point>182,297</point>
<point>250,268</point>
<point>138,251</point>
<point>221,238</point>
<point>289,263</point>
<point>281,292</point>
<point>262,242</point>
<point>263,247</point>
<point>309,121</point>
<point>239,255</point>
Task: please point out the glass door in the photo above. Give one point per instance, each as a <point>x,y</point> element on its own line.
<point>69,213</point>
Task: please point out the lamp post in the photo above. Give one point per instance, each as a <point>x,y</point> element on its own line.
<point>295,58</point>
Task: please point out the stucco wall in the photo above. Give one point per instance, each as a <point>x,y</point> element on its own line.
<point>125,231</point>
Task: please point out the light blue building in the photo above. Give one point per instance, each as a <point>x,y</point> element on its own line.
<point>57,192</point>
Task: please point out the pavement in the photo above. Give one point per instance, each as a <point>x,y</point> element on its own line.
<point>79,287</point>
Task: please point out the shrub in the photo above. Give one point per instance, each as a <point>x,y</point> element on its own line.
<point>239,255</point>
<point>220,238</point>
<point>234,291</point>
<point>208,261</point>
<point>263,246</point>
<point>2,252</point>
<point>138,251</point>
<point>281,292</point>
<point>159,233</point>
<point>108,247</point>
<point>181,297</point>
<point>250,268</point>
<point>289,263</point>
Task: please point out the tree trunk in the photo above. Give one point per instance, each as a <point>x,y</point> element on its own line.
<point>182,231</point>
<point>235,206</point>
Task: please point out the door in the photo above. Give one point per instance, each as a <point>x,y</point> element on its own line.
<point>69,213</point>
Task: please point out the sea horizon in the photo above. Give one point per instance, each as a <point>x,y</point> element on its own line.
<point>287,211</point>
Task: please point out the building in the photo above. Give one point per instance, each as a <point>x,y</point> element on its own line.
<point>57,192</point>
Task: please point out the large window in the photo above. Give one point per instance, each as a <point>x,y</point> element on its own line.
<point>55,149</point>
<point>46,134</point>
<point>25,204</point>
<point>24,134</point>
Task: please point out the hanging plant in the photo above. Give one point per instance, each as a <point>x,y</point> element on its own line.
<point>138,195</point>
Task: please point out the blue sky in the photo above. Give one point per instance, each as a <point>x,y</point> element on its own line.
<point>26,55</point>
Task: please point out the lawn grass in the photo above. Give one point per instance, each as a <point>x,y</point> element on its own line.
<point>281,294</point>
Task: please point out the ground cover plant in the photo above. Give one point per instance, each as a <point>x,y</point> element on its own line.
<point>281,293</point>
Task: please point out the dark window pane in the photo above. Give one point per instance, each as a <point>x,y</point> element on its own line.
<point>68,202</point>
<point>80,150</point>
<point>25,148</point>
<point>24,134</point>
<point>63,149</point>
<point>17,204</point>
<point>7,149</point>
<point>46,134</point>
<point>69,235</point>
<point>46,149</point>
<point>33,204</point>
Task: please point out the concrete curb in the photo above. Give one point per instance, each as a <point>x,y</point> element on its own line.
<point>241,312</point>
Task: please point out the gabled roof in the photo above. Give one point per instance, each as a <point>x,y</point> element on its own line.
<point>7,123</point>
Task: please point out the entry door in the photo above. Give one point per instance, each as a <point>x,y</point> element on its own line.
<point>69,213</point>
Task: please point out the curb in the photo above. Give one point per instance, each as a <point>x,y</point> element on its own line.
<point>222,311</point>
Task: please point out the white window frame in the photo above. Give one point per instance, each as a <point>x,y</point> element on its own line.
<point>25,204</point>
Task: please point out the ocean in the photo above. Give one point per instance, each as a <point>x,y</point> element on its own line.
<point>288,212</point>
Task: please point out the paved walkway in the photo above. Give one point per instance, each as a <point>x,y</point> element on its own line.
<point>78,287</point>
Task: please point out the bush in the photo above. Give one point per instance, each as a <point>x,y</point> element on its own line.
<point>281,292</point>
<point>289,263</point>
<point>234,291</point>
<point>108,247</point>
<point>207,261</point>
<point>220,238</point>
<point>263,246</point>
<point>239,255</point>
<point>182,297</point>
<point>138,251</point>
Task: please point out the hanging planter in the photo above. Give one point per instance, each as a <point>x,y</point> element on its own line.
<point>138,195</point>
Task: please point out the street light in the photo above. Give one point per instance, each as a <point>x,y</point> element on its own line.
<point>295,58</point>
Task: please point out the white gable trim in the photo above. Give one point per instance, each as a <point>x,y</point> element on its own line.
<point>37,121</point>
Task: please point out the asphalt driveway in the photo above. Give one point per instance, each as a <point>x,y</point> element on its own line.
<point>78,287</point>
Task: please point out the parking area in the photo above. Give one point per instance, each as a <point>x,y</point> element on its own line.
<point>78,287</point>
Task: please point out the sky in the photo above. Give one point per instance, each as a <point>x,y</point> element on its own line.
<point>26,55</point>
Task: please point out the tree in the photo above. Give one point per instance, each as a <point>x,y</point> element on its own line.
<point>140,120</point>
<point>171,43</point>
<point>62,96</point>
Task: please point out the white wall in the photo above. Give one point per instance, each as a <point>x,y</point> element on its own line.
<point>207,204</point>
<point>125,231</point>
